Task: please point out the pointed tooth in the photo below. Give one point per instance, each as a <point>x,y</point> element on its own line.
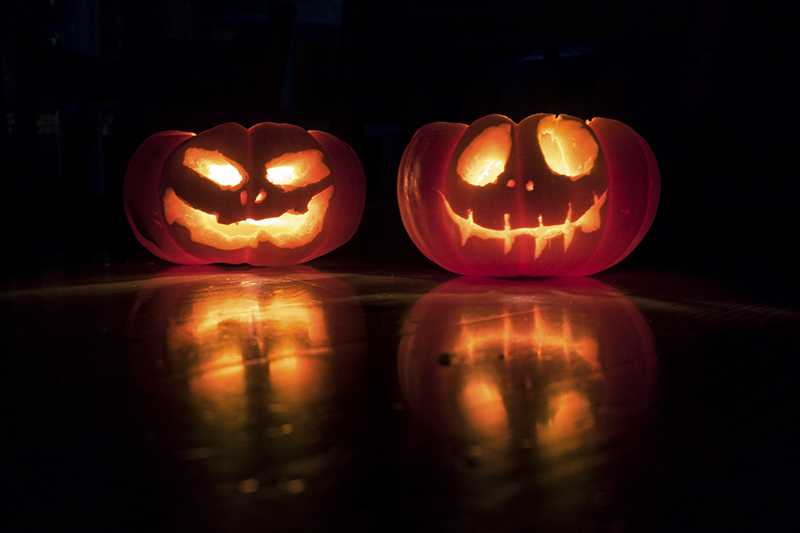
<point>508,237</point>
<point>466,229</point>
<point>540,244</point>
<point>568,234</point>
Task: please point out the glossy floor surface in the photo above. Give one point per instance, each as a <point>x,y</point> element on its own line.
<point>236,399</point>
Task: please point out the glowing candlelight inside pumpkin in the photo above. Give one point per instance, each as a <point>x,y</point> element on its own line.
<point>568,147</point>
<point>485,159</point>
<point>574,198</point>
<point>236,195</point>
<point>298,169</point>
<point>212,165</point>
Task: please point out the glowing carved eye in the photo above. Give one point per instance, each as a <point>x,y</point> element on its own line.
<point>214,166</point>
<point>485,158</point>
<point>568,147</point>
<point>296,169</point>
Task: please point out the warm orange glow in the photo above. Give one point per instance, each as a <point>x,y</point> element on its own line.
<point>568,146</point>
<point>514,337</point>
<point>284,367</point>
<point>483,407</point>
<point>214,166</point>
<point>547,336</point>
<point>485,158</point>
<point>298,337</point>
<point>570,417</point>
<point>290,230</point>
<point>218,320</point>
<point>227,331</point>
<point>512,333</point>
<point>284,325</point>
<point>295,380</point>
<point>281,175</point>
<point>588,222</point>
<point>296,169</point>
<point>213,334</point>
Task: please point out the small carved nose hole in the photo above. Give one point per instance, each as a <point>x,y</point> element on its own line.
<point>511,183</point>
<point>529,186</point>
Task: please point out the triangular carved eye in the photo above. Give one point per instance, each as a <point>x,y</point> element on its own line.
<point>568,146</point>
<point>214,166</point>
<point>297,169</point>
<point>482,162</point>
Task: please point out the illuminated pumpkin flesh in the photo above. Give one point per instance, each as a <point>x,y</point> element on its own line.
<point>551,195</point>
<point>273,195</point>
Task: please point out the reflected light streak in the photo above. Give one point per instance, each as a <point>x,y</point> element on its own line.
<point>520,332</point>
<point>483,407</point>
<point>571,417</point>
<point>224,331</point>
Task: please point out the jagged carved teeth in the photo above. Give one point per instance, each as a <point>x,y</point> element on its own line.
<point>588,222</point>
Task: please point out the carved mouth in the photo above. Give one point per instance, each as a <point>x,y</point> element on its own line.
<point>290,230</point>
<point>588,222</point>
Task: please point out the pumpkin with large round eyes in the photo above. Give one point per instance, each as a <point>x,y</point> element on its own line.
<point>271,195</point>
<point>550,196</point>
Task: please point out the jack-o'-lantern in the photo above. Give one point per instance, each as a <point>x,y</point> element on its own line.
<point>550,196</point>
<point>550,369</point>
<point>241,374</point>
<point>271,195</point>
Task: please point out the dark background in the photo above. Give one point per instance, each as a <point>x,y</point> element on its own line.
<point>707,83</point>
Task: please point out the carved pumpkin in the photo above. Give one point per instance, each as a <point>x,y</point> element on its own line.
<point>550,196</point>
<point>494,366</point>
<point>271,195</point>
<point>239,372</point>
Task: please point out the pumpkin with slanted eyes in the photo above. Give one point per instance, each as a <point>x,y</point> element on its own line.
<point>271,195</point>
<point>550,196</point>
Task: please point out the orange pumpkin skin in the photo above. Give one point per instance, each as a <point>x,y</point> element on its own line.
<point>532,220</point>
<point>184,213</point>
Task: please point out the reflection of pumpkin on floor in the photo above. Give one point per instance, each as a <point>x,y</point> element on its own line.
<point>507,366</point>
<point>246,372</point>
<point>528,375</point>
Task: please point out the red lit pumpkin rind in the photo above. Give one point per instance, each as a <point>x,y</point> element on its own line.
<point>271,195</point>
<point>550,196</point>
